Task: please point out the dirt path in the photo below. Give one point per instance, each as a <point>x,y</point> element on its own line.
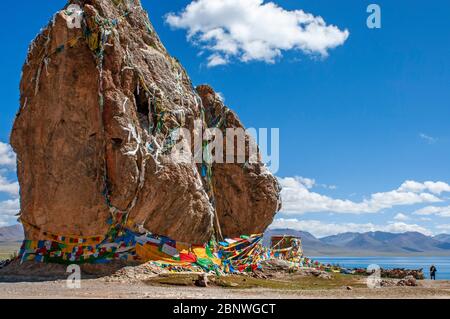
<point>100,289</point>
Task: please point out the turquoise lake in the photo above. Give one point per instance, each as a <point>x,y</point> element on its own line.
<point>442,263</point>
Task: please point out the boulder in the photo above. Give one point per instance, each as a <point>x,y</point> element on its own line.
<point>249,184</point>
<point>100,102</point>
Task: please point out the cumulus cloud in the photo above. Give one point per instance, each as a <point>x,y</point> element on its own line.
<point>443,211</point>
<point>7,163</point>
<point>306,182</point>
<point>11,188</point>
<point>7,156</point>
<point>322,229</point>
<point>216,60</point>
<point>401,217</point>
<point>433,187</point>
<point>299,198</point>
<point>252,30</point>
<point>8,209</point>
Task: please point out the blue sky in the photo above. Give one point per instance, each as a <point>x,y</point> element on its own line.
<point>370,116</point>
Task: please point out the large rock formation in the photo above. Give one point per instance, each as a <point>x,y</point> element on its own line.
<point>99,104</point>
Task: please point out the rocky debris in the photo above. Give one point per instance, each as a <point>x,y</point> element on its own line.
<point>398,273</point>
<point>273,267</point>
<point>360,272</point>
<point>323,275</point>
<point>95,130</point>
<point>4,263</point>
<point>260,274</point>
<point>135,274</point>
<point>402,273</point>
<point>202,281</point>
<point>388,283</point>
<point>408,281</point>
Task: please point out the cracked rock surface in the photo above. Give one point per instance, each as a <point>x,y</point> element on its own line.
<point>99,105</point>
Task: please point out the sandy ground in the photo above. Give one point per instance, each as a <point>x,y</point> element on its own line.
<point>48,281</point>
<point>98,288</point>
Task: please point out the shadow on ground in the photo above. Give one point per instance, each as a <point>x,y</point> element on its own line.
<point>39,272</point>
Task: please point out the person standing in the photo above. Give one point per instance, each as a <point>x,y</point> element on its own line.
<point>433,272</point>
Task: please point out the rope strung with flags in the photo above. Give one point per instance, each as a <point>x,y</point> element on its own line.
<point>122,244</point>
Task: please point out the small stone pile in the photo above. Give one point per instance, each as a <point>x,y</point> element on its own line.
<point>271,266</point>
<point>135,274</point>
<point>402,273</point>
<point>398,273</point>
<point>408,281</point>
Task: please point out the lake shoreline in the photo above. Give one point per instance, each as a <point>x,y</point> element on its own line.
<point>424,262</point>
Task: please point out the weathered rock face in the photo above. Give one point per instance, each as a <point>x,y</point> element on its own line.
<point>93,136</point>
<point>247,195</point>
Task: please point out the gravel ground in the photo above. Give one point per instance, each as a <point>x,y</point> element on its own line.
<point>48,281</point>
<point>98,288</point>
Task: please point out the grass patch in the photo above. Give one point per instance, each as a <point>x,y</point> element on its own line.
<point>286,282</point>
<point>7,249</point>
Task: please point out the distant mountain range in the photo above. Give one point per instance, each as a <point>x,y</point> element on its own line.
<point>11,233</point>
<point>443,237</point>
<point>369,244</point>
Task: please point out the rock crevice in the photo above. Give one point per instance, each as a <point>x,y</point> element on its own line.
<point>99,107</point>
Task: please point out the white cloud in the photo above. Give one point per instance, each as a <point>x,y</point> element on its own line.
<point>11,188</point>
<point>216,60</point>
<point>433,187</point>
<point>443,227</point>
<point>8,162</point>
<point>251,30</point>
<point>322,229</point>
<point>8,209</point>
<point>298,198</point>
<point>412,186</point>
<point>443,211</point>
<point>429,139</point>
<point>7,156</point>
<point>307,182</point>
<point>401,217</point>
